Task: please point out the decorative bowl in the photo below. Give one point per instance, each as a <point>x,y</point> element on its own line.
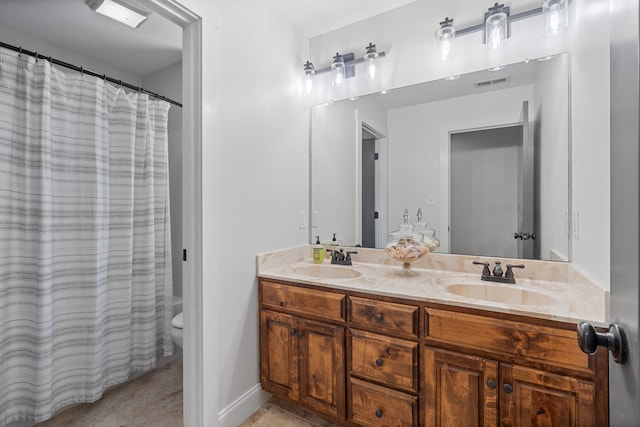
<point>406,250</point>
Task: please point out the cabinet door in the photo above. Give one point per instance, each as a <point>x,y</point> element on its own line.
<point>322,371</point>
<point>279,359</point>
<point>460,390</point>
<point>530,397</point>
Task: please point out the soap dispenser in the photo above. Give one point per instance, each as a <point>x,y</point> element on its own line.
<point>318,252</point>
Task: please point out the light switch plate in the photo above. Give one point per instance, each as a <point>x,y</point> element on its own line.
<point>302,219</point>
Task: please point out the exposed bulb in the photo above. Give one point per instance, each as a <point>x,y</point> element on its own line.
<point>309,72</point>
<point>496,28</point>
<point>555,17</point>
<point>371,62</point>
<point>445,38</point>
<point>309,84</point>
<point>337,71</point>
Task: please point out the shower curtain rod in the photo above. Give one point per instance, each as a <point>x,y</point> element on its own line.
<point>88,72</point>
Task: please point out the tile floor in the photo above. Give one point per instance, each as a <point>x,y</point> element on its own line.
<point>276,413</point>
<point>155,400</point>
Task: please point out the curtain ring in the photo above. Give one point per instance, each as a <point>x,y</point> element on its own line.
<point>81,70</point>
<point>120,83</point>
<point>36,56</point>
<point>20,52</point>
<point>139,90</point>
<point>50,59</point>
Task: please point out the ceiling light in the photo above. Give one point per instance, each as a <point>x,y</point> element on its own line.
<point>384,92</point>
<point>454,77</point>
<point>445,38</point>
<point>117,10</point>
<point>496,30</point>
<point>496,68</point>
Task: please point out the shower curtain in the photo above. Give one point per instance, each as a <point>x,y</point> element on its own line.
<point>85,241</point>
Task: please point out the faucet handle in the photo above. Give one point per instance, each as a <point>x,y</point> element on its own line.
<point>509,273</point>
<point>485,270</point>
<point>349,255</point>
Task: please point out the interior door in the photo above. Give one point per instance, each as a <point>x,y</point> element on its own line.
<point>624,385</point>
<point>485,191</point>
<point>369,214</point>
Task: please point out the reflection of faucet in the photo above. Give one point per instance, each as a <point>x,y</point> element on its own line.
<point>497,272</point>
<point>340,258</point>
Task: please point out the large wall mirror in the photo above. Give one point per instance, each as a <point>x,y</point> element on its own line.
<point>484,156</point>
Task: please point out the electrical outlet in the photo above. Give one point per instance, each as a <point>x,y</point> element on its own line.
<point>314,219</point>
<point>302,219</point>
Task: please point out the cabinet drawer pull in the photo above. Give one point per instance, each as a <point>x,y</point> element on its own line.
<point>379,362</point>
<point>378,317</point>
<point>507,388</point>
<point>379,413</point>
<point>491,384</point>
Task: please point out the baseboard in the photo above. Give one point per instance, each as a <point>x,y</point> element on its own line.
<point>242,408</point>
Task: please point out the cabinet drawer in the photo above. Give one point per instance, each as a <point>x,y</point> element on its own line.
<point>386,317</point>
<point>309,302</point>
<point>541,344</point>
<point>372,405</point>
<point>391,361</point>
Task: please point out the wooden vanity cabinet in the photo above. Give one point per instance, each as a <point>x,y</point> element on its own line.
<point>497,371</point>
<point>373,361</point>
<point>302,359</point>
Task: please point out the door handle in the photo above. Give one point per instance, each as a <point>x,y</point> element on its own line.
<point>615,340</point>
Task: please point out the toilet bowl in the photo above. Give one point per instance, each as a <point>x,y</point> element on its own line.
<point>176,329</point>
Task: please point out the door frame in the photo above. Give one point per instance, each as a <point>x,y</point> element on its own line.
<point>192,129</point>
<point>382,175</point>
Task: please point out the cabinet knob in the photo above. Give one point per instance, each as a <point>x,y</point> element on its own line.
<point>378,413</point>
<point>378,317</point>
<point>379,362</point>
<point>491,384</point>
<point>292,332</point>
<point>300,334</point>
<point>507,388</point>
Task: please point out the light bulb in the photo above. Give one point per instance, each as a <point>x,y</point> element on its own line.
<point>337,71</point>
<point>309,72</point>
<point>371,62</point>
<point>496,31</point>
<point>555,17</point>
<point>445,37</point>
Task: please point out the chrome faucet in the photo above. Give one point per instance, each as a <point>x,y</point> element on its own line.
<point>497,272</point>
<point>339,257</point>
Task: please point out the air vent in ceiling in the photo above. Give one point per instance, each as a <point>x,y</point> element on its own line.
<point>492,82</point>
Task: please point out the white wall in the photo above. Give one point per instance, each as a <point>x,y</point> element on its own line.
<point>43,47</point>
<point>590,128</point>
<point>551,123</point>
<point>168,82</point>
<point>263,172</point>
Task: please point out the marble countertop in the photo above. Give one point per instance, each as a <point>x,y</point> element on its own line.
<point>560,294</point>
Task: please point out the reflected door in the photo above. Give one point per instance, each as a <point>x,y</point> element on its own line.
<point>486,190</point>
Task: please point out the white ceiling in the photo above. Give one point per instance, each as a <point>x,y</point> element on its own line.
<point>157,43</point>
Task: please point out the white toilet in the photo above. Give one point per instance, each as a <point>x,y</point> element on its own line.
<point>176,329</point>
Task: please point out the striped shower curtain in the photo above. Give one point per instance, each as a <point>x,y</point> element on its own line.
<point>85,241</point>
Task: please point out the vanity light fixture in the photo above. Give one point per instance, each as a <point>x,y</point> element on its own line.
<point>371,62</point>
<point>338,73</point>
<point>446,37</point>
<point>555,17</point>
<point>118,10</point>
<point>343,67</point>
<point>496,26</point>
<point>309,72</point>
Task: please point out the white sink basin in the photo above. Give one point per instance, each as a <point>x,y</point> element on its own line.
<point>327,272</point>
<point>496,292</point>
